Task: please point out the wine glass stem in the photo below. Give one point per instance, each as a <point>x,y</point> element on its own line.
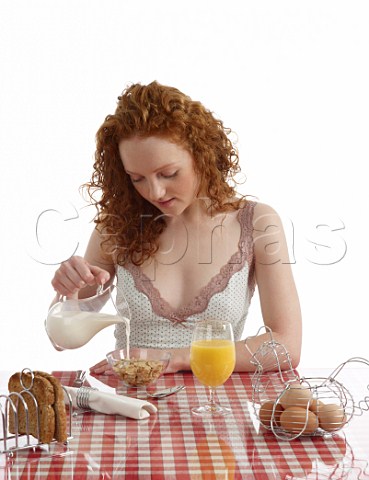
<point>212,401</point>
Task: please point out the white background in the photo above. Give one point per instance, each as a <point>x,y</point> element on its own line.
<point>290,78</point>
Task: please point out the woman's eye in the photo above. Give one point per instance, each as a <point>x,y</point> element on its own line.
<point>136,179</point>
<point>170,175</point>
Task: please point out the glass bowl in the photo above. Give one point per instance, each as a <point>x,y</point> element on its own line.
<point>142,369</point>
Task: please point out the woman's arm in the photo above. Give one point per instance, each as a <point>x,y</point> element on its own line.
<point>279,300</point>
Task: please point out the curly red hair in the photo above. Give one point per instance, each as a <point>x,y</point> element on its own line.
<point>156,110</point>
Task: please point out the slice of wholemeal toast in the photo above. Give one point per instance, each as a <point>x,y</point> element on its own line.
<point>59,407</point>
<point>44,394</point>
<point>51,409</point>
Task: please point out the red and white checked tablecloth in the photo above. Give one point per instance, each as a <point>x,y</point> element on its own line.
<point>174,444</point>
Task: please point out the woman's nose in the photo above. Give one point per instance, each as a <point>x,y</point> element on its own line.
<point>157,190</point>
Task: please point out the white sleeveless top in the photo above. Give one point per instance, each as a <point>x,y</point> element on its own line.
<point>155,324</point>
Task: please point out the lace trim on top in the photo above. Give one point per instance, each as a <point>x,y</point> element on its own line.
<point>218,283</point>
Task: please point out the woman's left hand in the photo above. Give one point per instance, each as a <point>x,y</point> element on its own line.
<point>102,368</point>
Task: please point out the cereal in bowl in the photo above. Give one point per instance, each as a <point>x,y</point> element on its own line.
<point>136,373</point>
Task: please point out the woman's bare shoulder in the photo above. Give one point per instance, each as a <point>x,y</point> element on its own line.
<point>268,233</point>
<point>265,216</point>
<point>262,212</point>
<point>263,209</point>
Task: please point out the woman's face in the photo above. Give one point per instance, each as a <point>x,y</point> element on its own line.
<point>161,171</point>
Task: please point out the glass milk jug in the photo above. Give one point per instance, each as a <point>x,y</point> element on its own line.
<point>71,323</point>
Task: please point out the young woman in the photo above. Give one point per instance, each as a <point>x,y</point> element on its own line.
<point>171,227</point>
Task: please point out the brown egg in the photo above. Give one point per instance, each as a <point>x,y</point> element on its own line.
<point>296,395</point>
<point>331,417</point>
<point>266,412</point>
<point>315,405</point>
<point>293,420</point>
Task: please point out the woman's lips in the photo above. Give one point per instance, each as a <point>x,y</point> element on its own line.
<point>166,203</point>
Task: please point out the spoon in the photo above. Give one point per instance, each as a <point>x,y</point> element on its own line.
<point>165,392</point>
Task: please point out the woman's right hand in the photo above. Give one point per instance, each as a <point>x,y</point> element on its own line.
<point>75,274</point>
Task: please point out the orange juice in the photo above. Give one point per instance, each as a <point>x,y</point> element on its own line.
<point>212,361</point>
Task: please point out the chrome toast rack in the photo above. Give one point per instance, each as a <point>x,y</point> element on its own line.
<point>9,406</point>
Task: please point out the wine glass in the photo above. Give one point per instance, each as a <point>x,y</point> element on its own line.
<point>212,360</point>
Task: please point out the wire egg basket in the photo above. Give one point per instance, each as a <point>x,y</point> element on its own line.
<point>292,406</point>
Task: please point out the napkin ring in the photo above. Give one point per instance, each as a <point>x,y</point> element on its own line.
<point>83,397</point>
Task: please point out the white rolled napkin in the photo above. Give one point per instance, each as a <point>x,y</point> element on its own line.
<point>112,404</point>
